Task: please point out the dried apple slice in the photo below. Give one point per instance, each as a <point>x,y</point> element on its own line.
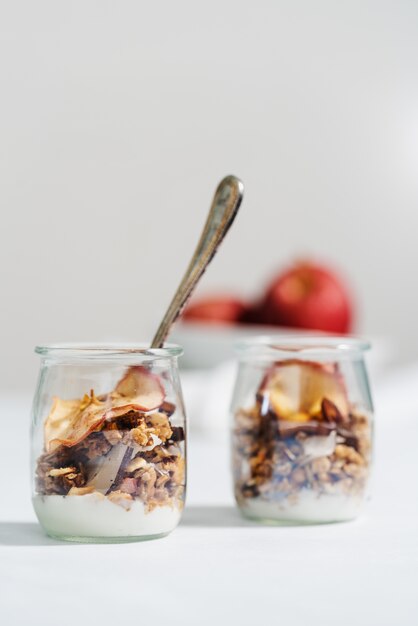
<point>60,419</point>
<point>70,421</point>
<point>296,389</point>
<point>90,419</point>
<point>142,388</point>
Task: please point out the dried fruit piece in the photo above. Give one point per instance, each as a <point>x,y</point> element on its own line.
<point>70,421</point>
<point>143,388</point>
<point>168,408</point>
<point>77,425</point>
<point>298,388</point>
<point>137,463</point>
<point>177,434</point>
<point>330,412</point>
<point>60,419</point>
<point>142,436</point>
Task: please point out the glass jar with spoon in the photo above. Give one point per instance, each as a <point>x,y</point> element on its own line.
<point>108,424</point>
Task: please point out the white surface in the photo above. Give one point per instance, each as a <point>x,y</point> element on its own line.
<point>117,120</point>
<point>93,515</point>
<point>217,568</point>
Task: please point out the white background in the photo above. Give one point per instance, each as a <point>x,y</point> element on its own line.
<point>117,119</point>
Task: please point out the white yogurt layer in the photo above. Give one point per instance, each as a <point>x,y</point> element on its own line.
<point>95,516</point>
<point>309,507</point>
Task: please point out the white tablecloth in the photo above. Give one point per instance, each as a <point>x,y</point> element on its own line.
<point>217,568</point>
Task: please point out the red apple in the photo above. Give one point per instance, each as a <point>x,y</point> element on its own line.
<point>216,309</point>
<point>308,296</point>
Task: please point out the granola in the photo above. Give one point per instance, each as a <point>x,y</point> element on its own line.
<point>122,445</point>
<point>300,434</point>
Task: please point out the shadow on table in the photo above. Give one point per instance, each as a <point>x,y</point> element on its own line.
<point>214,517</point>
<point>31,534</point>
<point>25,534</point>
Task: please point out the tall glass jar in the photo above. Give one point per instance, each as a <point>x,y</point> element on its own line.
<point>301,429</point>
<point>108,442</point>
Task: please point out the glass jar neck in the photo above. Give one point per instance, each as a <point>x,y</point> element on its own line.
<point>302,348</point>
<point>127,353</point>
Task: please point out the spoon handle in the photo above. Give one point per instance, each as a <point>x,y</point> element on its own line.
<point>225,205</point>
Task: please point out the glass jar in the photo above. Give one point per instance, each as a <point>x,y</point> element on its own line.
<point>302,429</point>
<point>108,442</point>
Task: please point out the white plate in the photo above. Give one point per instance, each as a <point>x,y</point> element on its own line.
<point>208,344</point>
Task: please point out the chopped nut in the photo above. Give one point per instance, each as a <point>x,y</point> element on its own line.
<point>62,471</point>
<point>342,451</point>
<point>142,436</point>
<point>162,480</point>
<point>137,463</point>
<point>345,452</point>
<point>159,422</point>
<point>82,491</point>
<point>122,499</point>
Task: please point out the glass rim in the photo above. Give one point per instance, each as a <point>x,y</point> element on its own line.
<point>303,345</point>
<point>107,350</point>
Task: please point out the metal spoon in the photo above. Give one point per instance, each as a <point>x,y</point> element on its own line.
<point>225,205</point>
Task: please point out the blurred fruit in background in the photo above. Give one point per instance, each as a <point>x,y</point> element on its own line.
<point>216,309</point>
<point>306,295</point>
